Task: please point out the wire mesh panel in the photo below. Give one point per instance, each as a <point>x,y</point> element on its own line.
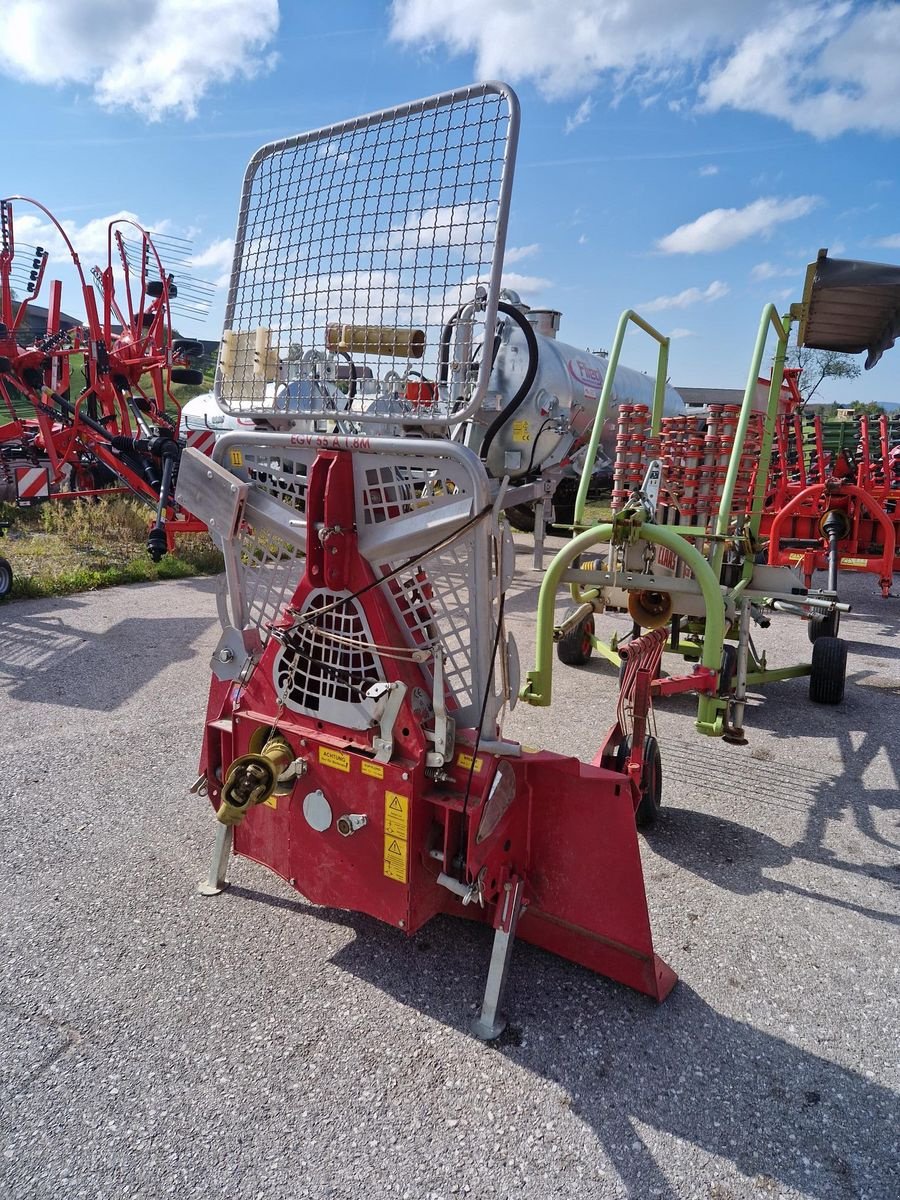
<point>367,264</point>
<point>271,562</point>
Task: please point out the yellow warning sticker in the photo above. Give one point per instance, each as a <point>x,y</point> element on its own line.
<point>376,770</point>
<point>272,802</point>
<point>395,858</point>
<point>521,431</point>
<point>237,458</point>
<point>853,562</point>
<point>396,815</point>
<point>465,761</point>
<point>334,758</point>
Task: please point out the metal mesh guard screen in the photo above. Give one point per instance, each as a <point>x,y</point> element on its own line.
<point>356,244</point>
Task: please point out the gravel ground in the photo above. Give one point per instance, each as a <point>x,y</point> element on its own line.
<point>158,1044</point>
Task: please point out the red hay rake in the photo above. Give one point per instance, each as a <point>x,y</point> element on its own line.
<point>120,432</point>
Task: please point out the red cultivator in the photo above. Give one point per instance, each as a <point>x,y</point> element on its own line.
<point>121,428</point>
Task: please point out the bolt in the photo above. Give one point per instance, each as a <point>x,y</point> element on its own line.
<point>402,924</point>
<point>405,775</point>
<point>233,488</point>
<point>209,474</point>
<point>225,655</point>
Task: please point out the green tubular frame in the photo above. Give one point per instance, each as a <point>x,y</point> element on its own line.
<point>659,395</point>
<point>711,710</point>
<point>539,682</point>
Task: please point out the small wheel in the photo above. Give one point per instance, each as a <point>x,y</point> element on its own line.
<point>188,349</point>
<point>823,625</point>
<point>6,578</point>
<point>521,517</point>
<point>829,670</point>
<point>650,803</point>
<point>728,670</point>
<point>187,375</point>
<point>575,648</point>
<point>155,288</point>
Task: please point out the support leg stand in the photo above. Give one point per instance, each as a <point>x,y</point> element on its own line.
<point>215,881</point>
<point>491,1022</point>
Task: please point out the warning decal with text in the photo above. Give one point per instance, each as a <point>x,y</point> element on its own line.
<point>396,833</point>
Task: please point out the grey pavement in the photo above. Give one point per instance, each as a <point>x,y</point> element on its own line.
<point>155,1043</point>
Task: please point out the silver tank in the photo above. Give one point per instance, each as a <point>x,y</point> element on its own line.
<point>556,415</point>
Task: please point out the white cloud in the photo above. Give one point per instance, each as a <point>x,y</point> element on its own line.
<point>694,295</point>
<point>157,57</point>
<point>89,240</point>
<point>215,261</point>
<point>526,285</point>
<point>892,242</point>
<point>722,228</point>
<point>765,270</point>
<point>581,114</point>
<point>515,254</point>
<point>842,55</point>
<point>583,240</point>
<point>457,226</point>
<point>843,72</point>
<point>708,170</point>
<point>675,334</point>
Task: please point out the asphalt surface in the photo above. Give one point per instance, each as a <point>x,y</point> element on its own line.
<point>155,1043</point>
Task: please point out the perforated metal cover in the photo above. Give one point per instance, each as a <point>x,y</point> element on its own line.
<point>356,244</point>
<point>410,498</point>
<point>323,667</point>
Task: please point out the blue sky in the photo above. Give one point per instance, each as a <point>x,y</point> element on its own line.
<point>687,160</point>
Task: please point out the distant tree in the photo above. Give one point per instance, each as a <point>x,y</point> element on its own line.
<point>872,409</point>
<point>818,365</point>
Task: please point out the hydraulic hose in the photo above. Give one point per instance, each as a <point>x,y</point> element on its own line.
<point>524,387</point>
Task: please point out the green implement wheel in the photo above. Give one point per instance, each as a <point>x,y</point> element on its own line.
<point>823,625</point>
<point>829,670</point>
<point>575,647</point>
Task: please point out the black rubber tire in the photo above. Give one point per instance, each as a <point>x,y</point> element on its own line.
<point>829,670</point>
<point>187,375</point>
<point>574,648</point>
<point>188,349</point>
<point>823,625</point>
<point>6,578</point>
<point>521,517</point>
<point>650,803</point>
<point>155,288</point>
<point>728,670</point>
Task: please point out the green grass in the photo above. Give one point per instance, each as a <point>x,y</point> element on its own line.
<point>58,548</point>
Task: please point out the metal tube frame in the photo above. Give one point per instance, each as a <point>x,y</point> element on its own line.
<point>538,686</point>
<point>493,285</point>
<point>628,316</point>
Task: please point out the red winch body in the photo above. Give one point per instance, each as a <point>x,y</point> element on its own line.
<point>548,828</point>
